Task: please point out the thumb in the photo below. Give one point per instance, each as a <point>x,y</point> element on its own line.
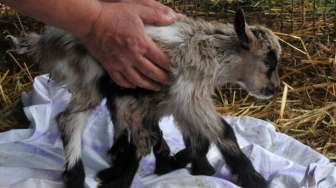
<point>152,16</point>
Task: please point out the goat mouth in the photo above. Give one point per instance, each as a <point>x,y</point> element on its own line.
<point>256,94</point>
<point>261,97</point>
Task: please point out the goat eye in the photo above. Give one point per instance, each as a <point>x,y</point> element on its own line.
<point>271,57</point>
<point>271,60</point>
<point>270,69</point>
<point>270,66</point>
<point>218,32</point>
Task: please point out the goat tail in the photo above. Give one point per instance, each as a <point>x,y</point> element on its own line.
<point>62,55</point>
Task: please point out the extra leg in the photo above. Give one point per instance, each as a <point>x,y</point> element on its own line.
<point>118,149</point>
<point>239,164</point>
<point>199,162</point>
<point>125,164</point>
<point>125,114</point>
<point>164,162</point>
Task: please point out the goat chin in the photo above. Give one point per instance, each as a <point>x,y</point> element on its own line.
<point>257,96</point>
<point>261,97</point>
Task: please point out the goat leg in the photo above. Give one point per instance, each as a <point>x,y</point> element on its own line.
<point>71,124</point>
<point>239,164</point>
<point>165,163</point>
<point>125,165</point>
<point>199,162</point>
<point>116,152</point>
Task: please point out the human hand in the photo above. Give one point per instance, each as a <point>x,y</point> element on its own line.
<point>118,41</point>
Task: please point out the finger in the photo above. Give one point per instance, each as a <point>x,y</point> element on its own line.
<point>156,5</point>
<point>151,4</point>
<point>136,78</point>
<point>151,70</point>
<point>156,55</point>
<point>112,66</point>
<point>120,80</point>
<point>153,16</point>
<point>181,16</point>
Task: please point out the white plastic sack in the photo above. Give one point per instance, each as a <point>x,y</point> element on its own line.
<point>34,157</point>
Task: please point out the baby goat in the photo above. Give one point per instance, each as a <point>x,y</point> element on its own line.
<point>204,56</point>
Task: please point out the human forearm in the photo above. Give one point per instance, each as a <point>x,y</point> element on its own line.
<point>113,32</point>
<point>64,14</point>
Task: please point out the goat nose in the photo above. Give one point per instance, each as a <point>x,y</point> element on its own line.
<point>276,88</point>
<point>270,90</point>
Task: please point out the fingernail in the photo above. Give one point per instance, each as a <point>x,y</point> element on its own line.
<point>170,15</point>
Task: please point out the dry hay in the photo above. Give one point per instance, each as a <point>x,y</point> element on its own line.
<point>16,72</point>
<point>305,108</point>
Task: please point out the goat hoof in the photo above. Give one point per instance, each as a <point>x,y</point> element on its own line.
<point>253,179</point>
<point>74,176</point>
<point>119,183</point>
<point>167,164</point>
<point>164,165</point>
<point>109,174</point>
<point>182,158</point>
<point>202,167</point>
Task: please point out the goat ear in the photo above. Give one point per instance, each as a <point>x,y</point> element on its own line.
<point>244,34</point>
